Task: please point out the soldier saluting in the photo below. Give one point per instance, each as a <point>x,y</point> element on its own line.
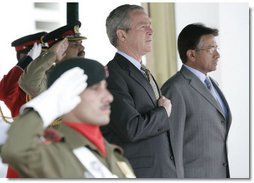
<point>76,149</point>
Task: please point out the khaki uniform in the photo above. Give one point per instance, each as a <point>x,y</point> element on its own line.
<point>35,157</point>
<point>34,79</point>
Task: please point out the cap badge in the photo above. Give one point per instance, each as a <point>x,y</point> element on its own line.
<point>76,29</point>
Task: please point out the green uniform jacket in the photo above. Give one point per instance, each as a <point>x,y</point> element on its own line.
<point>34,79</point>
<point>34,157</point>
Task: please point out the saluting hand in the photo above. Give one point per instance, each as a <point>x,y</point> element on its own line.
<point>60,49</point>
<point>35,51</point>
<point>59,99</point>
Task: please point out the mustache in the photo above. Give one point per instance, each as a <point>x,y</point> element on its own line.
<point>81,53</point>
<point>106,106</point>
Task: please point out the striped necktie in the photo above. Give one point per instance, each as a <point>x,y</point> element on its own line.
<point>149,77</point>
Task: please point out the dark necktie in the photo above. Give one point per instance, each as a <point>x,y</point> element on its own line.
<point>149,77</point>
<point>212,91</point>
<point>209,86</point>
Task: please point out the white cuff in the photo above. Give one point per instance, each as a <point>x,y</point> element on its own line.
<point>42,108</point>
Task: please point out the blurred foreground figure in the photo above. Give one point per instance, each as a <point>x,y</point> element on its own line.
<point>76,149</point>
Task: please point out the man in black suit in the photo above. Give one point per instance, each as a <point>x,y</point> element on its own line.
<point>139,121</point>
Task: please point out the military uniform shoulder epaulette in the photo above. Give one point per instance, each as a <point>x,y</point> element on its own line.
<point>114,148</point>
<point>51,135</point>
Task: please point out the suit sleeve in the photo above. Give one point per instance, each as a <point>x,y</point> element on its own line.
<point>34,79</point>
<point>129,123</point>
<point>177,123</point>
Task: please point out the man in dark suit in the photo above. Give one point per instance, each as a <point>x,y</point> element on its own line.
<point>139,119</point>
<point>200,118</point>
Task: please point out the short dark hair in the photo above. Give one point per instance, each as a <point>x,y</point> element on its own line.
<point>189,38</point>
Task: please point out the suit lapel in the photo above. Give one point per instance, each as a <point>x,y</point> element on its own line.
<point>229,117</point>
<point>197,85</point>
<point>136,75</point>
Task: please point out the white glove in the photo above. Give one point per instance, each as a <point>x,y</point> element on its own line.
<point>4,127</point>
<point>61,97</point>
<point>35,51</point>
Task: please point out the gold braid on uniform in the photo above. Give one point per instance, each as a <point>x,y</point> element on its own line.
<point>56,122</point>
<point>28,98</point>
<point>5,118</point>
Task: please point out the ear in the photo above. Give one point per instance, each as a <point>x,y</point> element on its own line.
<point>121,34</point>
<point>191,55</point>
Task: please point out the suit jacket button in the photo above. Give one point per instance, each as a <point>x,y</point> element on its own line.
<point>171,157</point>
<point>225,164</point>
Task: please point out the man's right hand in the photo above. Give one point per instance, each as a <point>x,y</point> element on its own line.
<point>166,103</point>
<point>61,97</point>
<point>59,49</point>
<point>35,51</point>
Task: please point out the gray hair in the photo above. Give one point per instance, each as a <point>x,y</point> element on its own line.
<point>119,19</point>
